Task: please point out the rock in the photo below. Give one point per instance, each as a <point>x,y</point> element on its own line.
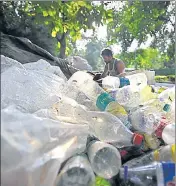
<point>24,51</point>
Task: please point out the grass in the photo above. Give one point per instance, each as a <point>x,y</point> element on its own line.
<point>163,79</point>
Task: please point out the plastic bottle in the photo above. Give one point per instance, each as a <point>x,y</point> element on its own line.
<point>168,94</point>
<point>166,131</point>
<point>145,119</point>
<point>138,79</point>
<point>117,110</point>
<point>110,129</point>
<point>151,141</point>
<point>76,172</point>
<point>104,158</point>
<point>103,100</point>
<point>128,97</point>
<point>168,134</point>
<point>156,174</point>
<point>85,83</point>
<point>111,82</point>
<point>164,153</point>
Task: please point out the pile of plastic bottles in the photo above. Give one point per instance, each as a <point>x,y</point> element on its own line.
<point>75,133</point>
<point>133,120</point>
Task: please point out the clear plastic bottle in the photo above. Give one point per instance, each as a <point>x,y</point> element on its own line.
<point>86,84</point>
<point>139,79</point>
<point>166,131</point>
<point>110,129</point>
<point>164,153</point>
<point>145,119</point>
<point>156,174</point>
<point>76,172</point>
<point>104,158</point>
<point>117,110</point>
<point>168,134</point>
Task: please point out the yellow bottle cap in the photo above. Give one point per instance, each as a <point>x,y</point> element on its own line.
<point>173,153</point>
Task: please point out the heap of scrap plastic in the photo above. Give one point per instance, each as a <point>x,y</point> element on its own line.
<point>72,133</point>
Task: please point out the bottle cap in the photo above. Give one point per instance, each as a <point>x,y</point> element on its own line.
<point>137,139</point>
<point>166,108</point>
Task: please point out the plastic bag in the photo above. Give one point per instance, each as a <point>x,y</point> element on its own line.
<point>44,65</point>
<point>31,90</point>
<point>66,110</point>
<point>33,148</point>
<point>7,62</point>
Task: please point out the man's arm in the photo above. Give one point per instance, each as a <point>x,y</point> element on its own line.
<point>104,74</point>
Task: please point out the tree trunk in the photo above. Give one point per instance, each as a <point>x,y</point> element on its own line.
<point>62,46</point>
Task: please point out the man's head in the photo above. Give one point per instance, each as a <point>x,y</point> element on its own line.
<point>107,55</point>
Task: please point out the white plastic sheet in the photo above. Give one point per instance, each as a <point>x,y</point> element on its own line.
<point>31,90</point>
<point>7,62</point>
<point>45,66</point>
<point>33,148</point>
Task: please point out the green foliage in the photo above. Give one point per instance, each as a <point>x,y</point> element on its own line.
<point>149,58</point>
<point>69,18</point>
<point>161,79</point>
<point>137,20</point>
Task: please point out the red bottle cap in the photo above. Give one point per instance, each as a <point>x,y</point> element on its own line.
<point>137,139</point>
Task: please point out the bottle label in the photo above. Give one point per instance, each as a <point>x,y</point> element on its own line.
<point>160,128</point>
<point>169,174</point>
<point>103,100</point>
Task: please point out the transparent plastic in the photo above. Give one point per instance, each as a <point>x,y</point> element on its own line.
<point>76,172</point>
<point>109,128</point>
<point>110,82</point>
<point>66,110</point>
<point>164,154</point>
<point>168,134</point>
<point>138,79</point>
<point>85,83</point>
<point>145,119</point>
<point>31,90</point>
<point>44,66</point>
<point>104,158</point>
<point>7,62</point>
<point>33,148</point>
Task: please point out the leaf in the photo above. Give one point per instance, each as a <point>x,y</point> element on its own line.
<point>65,29</point>
<point>58,45</point>
<point>46,23</point>
<point>56,29</point>
<point>53,34</point>
<point>45,13</point>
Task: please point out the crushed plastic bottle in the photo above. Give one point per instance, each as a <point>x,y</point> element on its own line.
<point>85,83</point>
<point>110,129</point>
<point>156,174</point>
<point>104,158</point>
<point>139,80</point>
<point>145,119</point>
<point>117,110</point>
<point>76,172</point>
<point>164,153</point>
<point>168,134</point>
